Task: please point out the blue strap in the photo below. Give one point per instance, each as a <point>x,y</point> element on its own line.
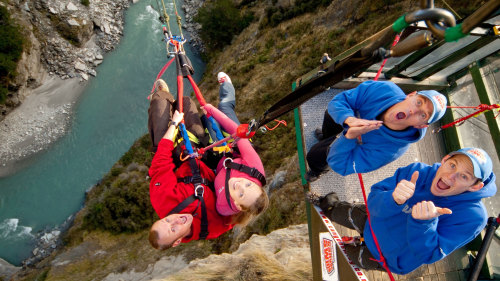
<point>187,142</point>
<point>215,127</point>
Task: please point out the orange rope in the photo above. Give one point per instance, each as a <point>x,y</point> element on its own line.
<point>279,123</point>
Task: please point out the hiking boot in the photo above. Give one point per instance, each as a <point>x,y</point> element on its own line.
<point>223,77</point>
<point>361,256</point>
<point>327,202</point>
<point>160,85</point>
<point>350,215</point>
<point>318,134</point>
<point>312,176</point>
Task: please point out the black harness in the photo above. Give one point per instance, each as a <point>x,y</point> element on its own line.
<point>254,173</point>
<point>199,190</point>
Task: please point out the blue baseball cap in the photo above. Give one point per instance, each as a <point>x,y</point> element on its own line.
<point>481,161</point>
<point>439,102</point>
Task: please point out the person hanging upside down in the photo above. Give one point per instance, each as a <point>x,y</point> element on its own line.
<point>422,213</point>
<point>386,120</point>
<point>239,193</point>
<point>170,187</point>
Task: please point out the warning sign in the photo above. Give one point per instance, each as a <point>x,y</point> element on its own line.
<point>328,257</point>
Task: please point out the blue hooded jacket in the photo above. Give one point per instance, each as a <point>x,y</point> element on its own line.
<point>407,243</point>
<point>379,147</point>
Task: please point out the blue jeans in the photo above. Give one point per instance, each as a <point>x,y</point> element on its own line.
<point>227,103</point>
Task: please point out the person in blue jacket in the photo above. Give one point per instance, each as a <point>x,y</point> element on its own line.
<point>386,120</point>
<point>422,213</point>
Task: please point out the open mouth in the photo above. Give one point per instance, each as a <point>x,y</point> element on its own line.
<point>441,185</point>
<point>401,115</point>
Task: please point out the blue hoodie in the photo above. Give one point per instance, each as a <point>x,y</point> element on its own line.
<point>407,243</point>
<point>379,147</point>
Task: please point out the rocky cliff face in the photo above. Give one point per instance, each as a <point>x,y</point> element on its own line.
<point>65,38</point>
<point>283,254</point>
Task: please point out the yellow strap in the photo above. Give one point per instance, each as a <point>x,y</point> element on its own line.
<point>222,149</point>
<point>178,138</point>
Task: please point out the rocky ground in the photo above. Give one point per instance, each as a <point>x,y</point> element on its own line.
<point>41,119</point>
<point>193,28</point>
<point>283,254</point>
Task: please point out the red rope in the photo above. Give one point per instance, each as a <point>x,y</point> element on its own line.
<point>180,93</point>
<point>396,40</point>
<point>480,109</point>
<point>382,259</point>
<point>161,73</point>
<point>202,150</point>
<point>197,91</point>
<point>360,177</point>
<point>279,123</point>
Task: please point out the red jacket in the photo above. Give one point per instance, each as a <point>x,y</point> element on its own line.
<point>166,193</point>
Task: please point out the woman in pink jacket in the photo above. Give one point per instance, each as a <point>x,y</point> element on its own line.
<point>239,180</point>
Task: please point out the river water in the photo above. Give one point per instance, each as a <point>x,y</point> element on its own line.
<point>109,116</point>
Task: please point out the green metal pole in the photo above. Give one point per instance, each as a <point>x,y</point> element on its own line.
<point>484,99</point>
<point>302,165</point>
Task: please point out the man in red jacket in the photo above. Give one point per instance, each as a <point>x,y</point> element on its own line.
<point>185,214</point>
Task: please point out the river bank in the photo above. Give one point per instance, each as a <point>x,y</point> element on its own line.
<point>41,119</point>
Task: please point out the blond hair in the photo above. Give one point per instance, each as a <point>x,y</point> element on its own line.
<point>246,214</point>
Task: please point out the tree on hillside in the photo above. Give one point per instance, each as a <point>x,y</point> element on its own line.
<point>220,21</point>
<point>11,48</point>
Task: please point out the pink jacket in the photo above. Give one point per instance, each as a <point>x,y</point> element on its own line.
<point>248,157</point>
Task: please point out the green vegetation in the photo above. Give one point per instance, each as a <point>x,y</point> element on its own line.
<point>120,203</point>
<point>221,21</point>
<point>85,2</point>
<point>11,48</point>
<point>276,15</point>
<point>66,31</point>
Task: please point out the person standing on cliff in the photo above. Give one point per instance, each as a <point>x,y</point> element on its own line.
<point>370,126</point>
<point>421,214</point>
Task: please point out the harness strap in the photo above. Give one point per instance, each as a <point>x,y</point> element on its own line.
<point>226,188</point>
<point>191,179</point>
<point>199,191</point>
<point>183,205</point>
<point>254,173</point>
<point>198,187</point>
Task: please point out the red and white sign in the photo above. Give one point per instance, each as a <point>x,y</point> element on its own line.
<point>328,257</point>
<point>338,240</point>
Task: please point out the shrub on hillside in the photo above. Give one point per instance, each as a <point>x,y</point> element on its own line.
<point>11,48</point>
<point>276,15</point>
<point>220,20</point>
<point>122,207</point>
<point>120,203</point>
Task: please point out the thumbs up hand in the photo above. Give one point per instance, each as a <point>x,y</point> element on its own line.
<point>426,210</point>
<point>405,189</point>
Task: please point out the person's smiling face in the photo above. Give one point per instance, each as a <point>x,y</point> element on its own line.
<point>244,192</point>
<point>414,111</point>
<point>172,228</point>
<point>455,176</point>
